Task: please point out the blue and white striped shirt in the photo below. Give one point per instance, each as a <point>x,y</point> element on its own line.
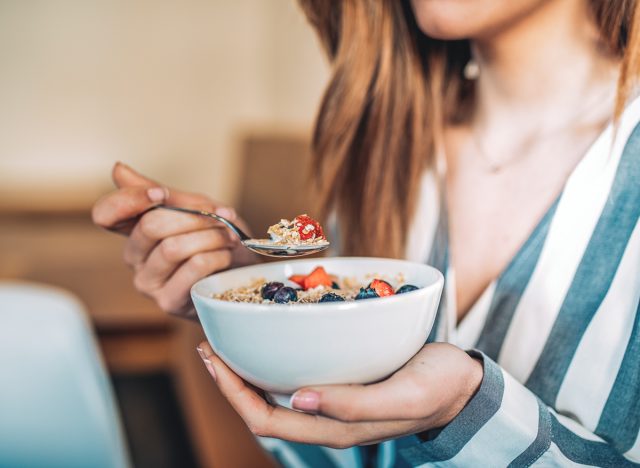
<point>558,330</point>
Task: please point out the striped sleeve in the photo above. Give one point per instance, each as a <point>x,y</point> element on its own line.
<point>505,424</point>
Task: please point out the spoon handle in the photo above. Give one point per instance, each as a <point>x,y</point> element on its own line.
<point>126,225</point>
<point>239,232</point>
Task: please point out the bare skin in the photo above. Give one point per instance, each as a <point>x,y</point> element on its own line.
<point>535,127</point>
<point>547,118</point>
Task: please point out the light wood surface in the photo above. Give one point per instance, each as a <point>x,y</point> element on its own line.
<point>67,250</point>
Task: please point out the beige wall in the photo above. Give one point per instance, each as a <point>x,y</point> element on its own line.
<point>164,85</point>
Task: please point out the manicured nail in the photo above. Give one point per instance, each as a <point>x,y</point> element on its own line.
<point>157,194</point>
<point>306,400</point>
<point>210,368</point>
<point>201,352</point>
<point>228,213</point>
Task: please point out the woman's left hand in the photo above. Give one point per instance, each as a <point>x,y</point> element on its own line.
<point>427,393</point>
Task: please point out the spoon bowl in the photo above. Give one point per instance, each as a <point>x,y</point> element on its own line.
<point>272,249</point>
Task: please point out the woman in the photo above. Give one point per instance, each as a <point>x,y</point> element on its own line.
<point>499,141</point>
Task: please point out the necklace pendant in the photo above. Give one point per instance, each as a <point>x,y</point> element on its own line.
<point>495,168</point>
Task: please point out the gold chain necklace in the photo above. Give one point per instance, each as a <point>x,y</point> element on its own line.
<point>495,167</point>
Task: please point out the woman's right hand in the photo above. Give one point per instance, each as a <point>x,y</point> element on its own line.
<point>168,251</point>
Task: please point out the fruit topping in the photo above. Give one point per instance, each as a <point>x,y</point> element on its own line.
<point>406,288</point>
<point>366,293</point>
<point>331,297</point>
<point>285,294</point>
<point>300,230</point>
<point>270,289</point>
<point>308,228</point>
<point>318,286</point>
<point>382,288</point>
<point>318,277</point>
<point>298,279</point>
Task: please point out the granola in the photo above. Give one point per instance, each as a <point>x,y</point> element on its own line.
<point>252,293</point>
<point>317,286</point>
<point>300,230</point>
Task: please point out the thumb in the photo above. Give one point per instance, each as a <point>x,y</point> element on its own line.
<point>386,400</point>
<point>124,176</point>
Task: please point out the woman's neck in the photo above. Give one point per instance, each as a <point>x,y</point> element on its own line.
<point>544,69</point>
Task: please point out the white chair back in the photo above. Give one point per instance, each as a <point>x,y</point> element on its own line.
<point>57,407</point>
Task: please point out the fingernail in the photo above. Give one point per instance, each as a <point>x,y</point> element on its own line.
<point>157,194</point>
<point>225,212</point>
<point>306,400</point>
<point>210,368</point>
<point>201,352</point>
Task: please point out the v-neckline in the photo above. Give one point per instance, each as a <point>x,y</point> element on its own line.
<point>451,287</point>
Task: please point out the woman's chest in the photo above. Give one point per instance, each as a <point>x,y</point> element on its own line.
<point>493,212</point>
<point>490,218</point>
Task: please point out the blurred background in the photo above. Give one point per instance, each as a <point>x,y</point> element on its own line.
<point>215,96</point>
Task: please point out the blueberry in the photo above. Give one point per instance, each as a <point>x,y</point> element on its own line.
<point>285,294</point>
<point>269,289</point>
<point>335,285</point>
<point>366,293</point>
<point>331,297</point>
<point>406,288</point>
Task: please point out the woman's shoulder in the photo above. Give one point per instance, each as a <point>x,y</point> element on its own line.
<point>623,144</point>
<point>614,156</point>
<point>622,208</point>
<point>626,130</point>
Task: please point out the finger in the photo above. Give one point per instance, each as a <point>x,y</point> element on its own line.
<point>204,350</point>
<point>172,251</point>
<point>265,420</point>
<point>158,225</point>
<point>200,202</point>
<point>124,176</point>
<point>233,382</point>
<point>174,294</point>
<point>118,210</point>
<point>392,399</point>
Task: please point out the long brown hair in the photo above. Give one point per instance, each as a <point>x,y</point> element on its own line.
<point>391,89</point>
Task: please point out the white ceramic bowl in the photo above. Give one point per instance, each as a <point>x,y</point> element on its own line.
<point>280,347</point>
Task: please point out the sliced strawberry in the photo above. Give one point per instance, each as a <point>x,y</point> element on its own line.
<point>298,279</point>
<point>316,278</point>
<point>308,228</point>
<point>382,288</point>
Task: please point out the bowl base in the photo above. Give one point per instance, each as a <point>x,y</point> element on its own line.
<point>280,399</point>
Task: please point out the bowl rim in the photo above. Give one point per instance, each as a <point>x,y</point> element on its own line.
<point>312,308</point>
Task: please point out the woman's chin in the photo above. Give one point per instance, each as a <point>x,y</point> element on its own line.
<point>447,29</point>
<point>447,20</point>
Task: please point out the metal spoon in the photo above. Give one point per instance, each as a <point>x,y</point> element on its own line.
<point>265,247</point>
